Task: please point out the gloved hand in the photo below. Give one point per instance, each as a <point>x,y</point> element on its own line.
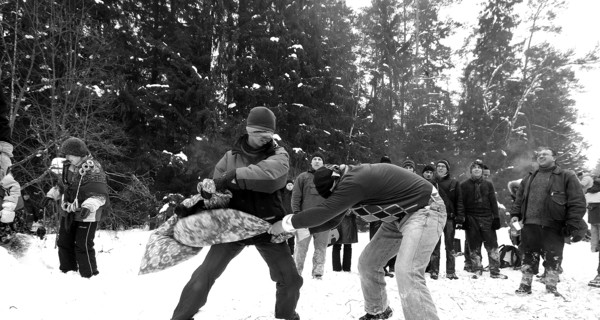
<point>459,222</point>
<point>572,233</point>
<point>84,213</point>
<point>226,181</point>
<point>496,224</point>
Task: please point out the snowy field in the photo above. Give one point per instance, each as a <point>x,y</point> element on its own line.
<point>32,288</point>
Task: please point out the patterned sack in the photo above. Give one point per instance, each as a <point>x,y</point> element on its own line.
<point>163,251</point>
<point>221,226</point>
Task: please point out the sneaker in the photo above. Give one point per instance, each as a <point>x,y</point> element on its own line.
<point>477,274</point>
<point>451,276</point>
<point>434,275</point>
<point>498,276</point>
<point>523,289</point>
<point>384,315</point>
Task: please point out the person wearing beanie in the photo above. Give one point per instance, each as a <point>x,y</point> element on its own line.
<point>254,170</point>
<point>450,193</point>
<point>385,159</point>
<point>481,221</point>
<point>304,196</point>
<point>409,165</point>
<point>83,200</point>
<point>413,216</point>
<point>428,172</point>
<point>286,199</point>
<point>548,218</point>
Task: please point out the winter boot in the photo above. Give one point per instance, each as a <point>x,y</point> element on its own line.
<point>523,289</point>
<point>294,317</point>
<point>552,289</point>
<point>595,282</point>
<point>434,275</point>
<point>384,315</point>
<point>498,275</point>
<point>451,276</point>
<point>477,274</point>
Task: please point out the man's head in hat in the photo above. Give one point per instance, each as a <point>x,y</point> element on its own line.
<point>316,161</point>
<point>74,150</point>
<point>260,126</point>
<point>408,165</point>
<point>428,172</point>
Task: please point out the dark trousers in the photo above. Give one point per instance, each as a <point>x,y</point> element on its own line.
<point>346,262</point>
<point>373,227</point>
<point>281,268</point>
<point>434,264</point>
<point>480,231</point>
<point>541,242</point>
<point>291,243</point>
<point>76,247</point>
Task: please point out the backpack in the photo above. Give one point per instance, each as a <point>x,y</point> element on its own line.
<point>509,256</point>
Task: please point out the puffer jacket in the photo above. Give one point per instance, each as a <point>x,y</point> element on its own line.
<point>564,203</point>
<point>259,178</point>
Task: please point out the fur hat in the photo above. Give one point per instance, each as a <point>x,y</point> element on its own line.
<point>75,147</point>
<point>261,118</point>
<point>408,162</point>
<point>428,168</point>
<point>324,180</point>
<point>385,159</point>
<point>444,162</point>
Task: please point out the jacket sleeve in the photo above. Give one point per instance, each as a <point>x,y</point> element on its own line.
<point>297,194</point>
<point>493,201</point>
<point>266,176</point>
<point>515,210</point>
<point>576,207</point>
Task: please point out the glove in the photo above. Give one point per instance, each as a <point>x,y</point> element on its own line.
<point>572,233</point>
<point>459,222</point>
<point>84,213</point>
<point>496,224</point>
<point>226,181</point>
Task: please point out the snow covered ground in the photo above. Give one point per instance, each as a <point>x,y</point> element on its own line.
<point>33,288</point>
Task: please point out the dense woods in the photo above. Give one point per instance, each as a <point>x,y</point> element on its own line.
<point>144,83</point>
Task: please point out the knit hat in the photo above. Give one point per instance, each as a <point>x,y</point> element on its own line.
<point>428,168</point>
<point>315,155</point>
<point>261,118</point>
<point>444,162</point>
<point>74,147</point>
<point>408,162</point>
<point>385,159</point>
<point>323,180</point>
<point>476,163</point>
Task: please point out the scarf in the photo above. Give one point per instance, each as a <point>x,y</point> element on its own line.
<point>477,182</point>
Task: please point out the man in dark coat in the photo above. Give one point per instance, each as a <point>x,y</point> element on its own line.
<point>481,220</point>
<point>254,171</point>
<point>550,205</point>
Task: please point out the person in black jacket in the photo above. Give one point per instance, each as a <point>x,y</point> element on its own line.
<point>450,193</point>
<point>481,220</point>
<point>550,205</point>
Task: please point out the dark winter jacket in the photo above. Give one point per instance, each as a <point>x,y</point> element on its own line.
<point>259,175</point>
<point>450,192</point>
<point>348,229</point>
<point>488,208</point>
<point>286,200</point>
<point>564,203</point>
<point>92,184</point>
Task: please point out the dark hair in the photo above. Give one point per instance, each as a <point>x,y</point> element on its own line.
<point>540,148</point>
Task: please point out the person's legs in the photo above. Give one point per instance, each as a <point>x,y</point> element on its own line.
<point>335,257</point>
<point>291,243</point>
<point>449,243</point>
<point>300,252</point>
<point>66,246</point>
<point>468,263</point>
<point>553,245</point>
<point>347,260</point>
<point>84,248</point>
<point>434,263</point>
<point>283,271</point>
<point>420,233</point>
<point>195,292</point>
<point>319,256</point>
<point>490,242</point>
<point>475,239</point>
<point>375,255</point>
<point>531,246</point>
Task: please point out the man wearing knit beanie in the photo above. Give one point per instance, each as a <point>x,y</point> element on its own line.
<point>254,170</point>
<point>304,197</point>
<point>409,165</point>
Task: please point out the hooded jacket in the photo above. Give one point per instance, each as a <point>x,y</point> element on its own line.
<point>259,177</point>
<point>305,194</point>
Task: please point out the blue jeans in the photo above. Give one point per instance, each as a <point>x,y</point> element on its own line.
<point>318,260</point>
<point>412,240</point>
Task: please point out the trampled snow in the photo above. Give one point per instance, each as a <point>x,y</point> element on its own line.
<point>32,288</point>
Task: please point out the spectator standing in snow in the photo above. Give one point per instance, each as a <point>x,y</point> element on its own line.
<point>348,231</point>
<point>389,268</point>
<point>481,220</point>
<point>409,165</point>
<point>415,216</point>
<point>550,204</point>
<point>286,199</point>
<point>304,196</point>
<point>82,204</point>
<point>254,171</point>
<point>593,205</point>
<point>449,190</point>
